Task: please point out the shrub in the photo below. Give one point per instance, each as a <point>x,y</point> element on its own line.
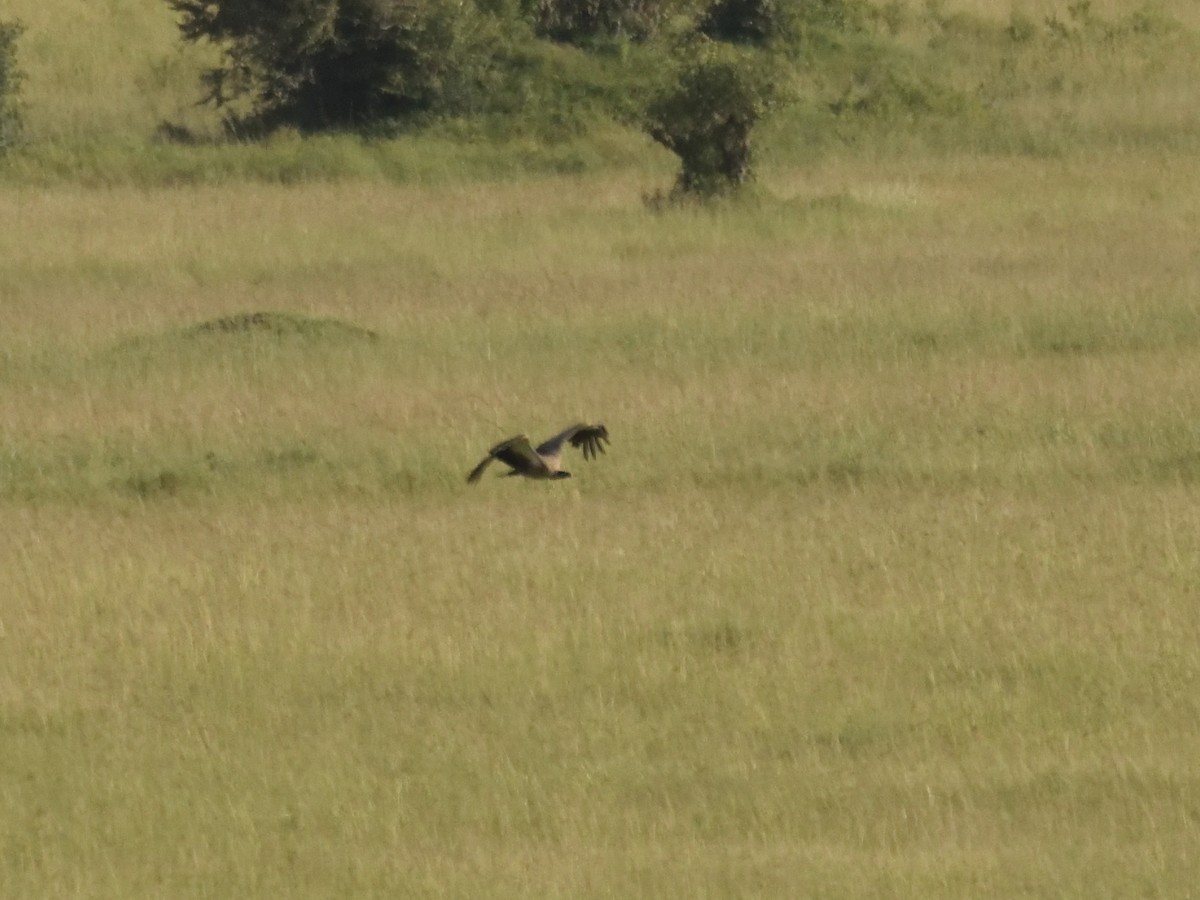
<point>747,21</point>
<point>794,22</point>
<point>756,21</point>
<point>706,115</point>
<point>576,21</point>
<point>10,84</point>
<point>317,64</point>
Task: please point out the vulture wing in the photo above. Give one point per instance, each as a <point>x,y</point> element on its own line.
<point>588,438</point>
<point>515,452</point>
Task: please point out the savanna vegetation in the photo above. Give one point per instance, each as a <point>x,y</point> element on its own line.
<point>885,588</point>
<point>10,86</point>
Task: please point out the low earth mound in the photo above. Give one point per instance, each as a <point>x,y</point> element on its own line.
<point>241,330</point>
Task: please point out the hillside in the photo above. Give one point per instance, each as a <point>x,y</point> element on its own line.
<point>108,85</point>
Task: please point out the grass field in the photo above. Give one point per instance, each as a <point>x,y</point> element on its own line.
<point>887,586</point>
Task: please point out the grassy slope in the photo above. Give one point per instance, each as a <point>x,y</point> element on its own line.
<point>886,587</point>
<point>111,67</point>
<point>98,91</point>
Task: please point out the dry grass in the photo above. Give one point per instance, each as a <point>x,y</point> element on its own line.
<point>885,588</point>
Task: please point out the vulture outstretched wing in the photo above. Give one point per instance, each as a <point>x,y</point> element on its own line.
<point>588,438</point>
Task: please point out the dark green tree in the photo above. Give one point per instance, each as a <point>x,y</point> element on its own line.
<point>318,64</point>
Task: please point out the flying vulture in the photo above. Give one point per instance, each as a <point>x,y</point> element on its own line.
<point>545,461</point>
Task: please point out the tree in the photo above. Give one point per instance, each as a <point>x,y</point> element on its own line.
<point>707,113</point>
<point>318,64</point>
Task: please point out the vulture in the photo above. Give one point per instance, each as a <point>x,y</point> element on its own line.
<point>545,461</point>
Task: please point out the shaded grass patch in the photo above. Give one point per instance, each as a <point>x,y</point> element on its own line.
<point>248,341</point>
<point>280,325</point>
<point>270,466</point>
